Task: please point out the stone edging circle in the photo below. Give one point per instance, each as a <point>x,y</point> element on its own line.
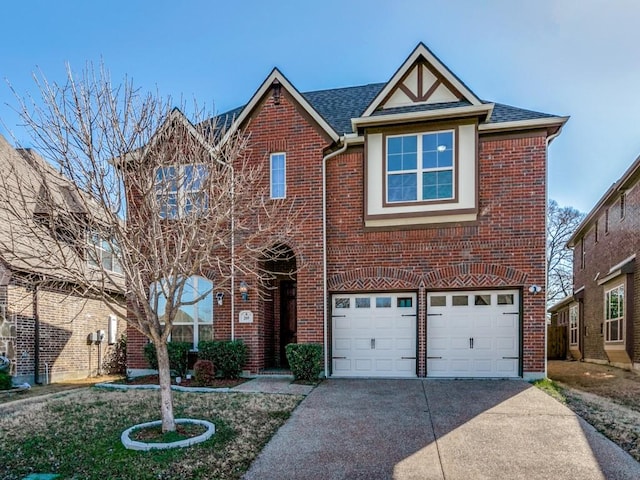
<point>135,445</point>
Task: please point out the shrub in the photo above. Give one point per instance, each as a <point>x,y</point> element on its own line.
<point>203,372</point>
<point>116,363</point>
<point>305,360</point>
<point>228,356</point>
<point>5,381</point>
<point>178,357</point>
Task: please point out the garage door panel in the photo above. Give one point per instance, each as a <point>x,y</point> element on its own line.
<point>375,339</point>
<point>490,318</point>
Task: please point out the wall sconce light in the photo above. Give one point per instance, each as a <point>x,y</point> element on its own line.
<point>535,289</point>
<point>219,297</point>
<point>244,291</point>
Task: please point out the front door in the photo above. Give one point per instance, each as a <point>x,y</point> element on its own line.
<point>288,318</point>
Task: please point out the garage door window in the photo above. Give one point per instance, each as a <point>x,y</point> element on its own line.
<point>460,300</point>
<point>440,301</point>
<point>383,302</point>
<point>505,299</point>
<point>363,302</point>
<point>483,300</point>
<point>405,302</point>
<point>342,302</point>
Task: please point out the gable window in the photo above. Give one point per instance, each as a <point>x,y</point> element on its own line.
<point>596,231</point>
<point>622,202</point>
<point>606,221</point>
<point>614,314</point>
<point>583,254</point>
<point>179,190</point>
<point>278,169</point>
<point>573,325</point>
<point>193,322</point>
<point>420,167</point>
<point>103,253</point>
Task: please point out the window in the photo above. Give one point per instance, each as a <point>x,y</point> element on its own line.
<point>364,302</point>
<point>342,303</point>
<point>622,204</point>
<point>179,190</point>
<point>606,221</point>
<point>438,301</point>
<point>460,300</point>
<point>420,167</point>
<point>505,299</point>
<point>614,314</point>
<point>192,323</point>
<point>583,254</point>
<point>278,175</point>
<point>595,233</point>
<point>482,300</point>
<point>405,302</point>
<point>103,253</point>
<point>383,302</point>
<point>573,325</point>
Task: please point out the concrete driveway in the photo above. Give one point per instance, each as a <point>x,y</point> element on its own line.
<point>437,429</point>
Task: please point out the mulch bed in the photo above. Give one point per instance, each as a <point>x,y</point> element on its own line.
<point>216,383</point>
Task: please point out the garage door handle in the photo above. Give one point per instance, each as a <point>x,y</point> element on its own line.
<point>511,313</point>
<point>431,358</point>
<point>408,358</point>
<point>338,316</point>
<point>409,315</point>
<point>434,314</point>
<point>510,358</point>
<point>339,358</point>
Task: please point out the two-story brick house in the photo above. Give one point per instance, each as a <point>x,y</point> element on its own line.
<point>423,248</point>
<point>603,325</point>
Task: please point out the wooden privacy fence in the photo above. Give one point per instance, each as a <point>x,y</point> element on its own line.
<point>556,342</point>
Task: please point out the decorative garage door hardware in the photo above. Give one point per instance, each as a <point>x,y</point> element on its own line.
<point>471,342</point>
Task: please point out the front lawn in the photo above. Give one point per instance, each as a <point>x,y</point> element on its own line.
<point>77,435</point>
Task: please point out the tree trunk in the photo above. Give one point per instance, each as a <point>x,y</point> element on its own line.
<point>166,398</point>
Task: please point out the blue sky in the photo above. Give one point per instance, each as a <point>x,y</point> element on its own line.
<point>567,57</point>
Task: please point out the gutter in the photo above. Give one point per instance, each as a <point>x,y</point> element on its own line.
<point>345,143</point>
<point>36,338</point>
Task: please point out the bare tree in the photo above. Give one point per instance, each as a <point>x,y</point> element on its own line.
<point>155,199</point>
<point>561,224</point>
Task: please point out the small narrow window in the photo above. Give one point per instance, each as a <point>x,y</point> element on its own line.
<point>595,233</point>
<point>383,302</point>
<point>363,302</point>
<point>606,221</point>
<point>506,299</point>
<point>342,303</point>
<point>583,254</point>
<point>278,175</point>
<point>405,302</point>
<point>622,202</point>
<point>460,300</point>
<point>438,301</point>
<point>573,325</point>
<point>483,300</point>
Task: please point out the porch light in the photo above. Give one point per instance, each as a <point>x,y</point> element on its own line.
<point>244,291</point>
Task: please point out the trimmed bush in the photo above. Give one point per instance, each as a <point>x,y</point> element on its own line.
<point>203,372</point>
<point>305,360</point>
<point>228,356</point>
<point>116,363</point>
<point>5,381</point>
<point>178,357</point>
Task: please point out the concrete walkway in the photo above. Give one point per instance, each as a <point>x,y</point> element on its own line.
<point>437,429</point>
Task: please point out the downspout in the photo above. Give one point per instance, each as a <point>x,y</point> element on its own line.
<point>233,252</point>
<point>324,249</point>
<point>549,139</point>
<point>36,338</point>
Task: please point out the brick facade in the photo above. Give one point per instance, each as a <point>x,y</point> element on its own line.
<point>617,241</point>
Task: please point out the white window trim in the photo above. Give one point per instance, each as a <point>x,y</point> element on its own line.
<point>619,319</point>
<point>181,192</point>
<point>100,251</point>
<point>271,158</point>
<point>574,325</point>
<point>419,170</point>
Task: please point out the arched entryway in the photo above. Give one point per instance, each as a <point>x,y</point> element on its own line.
<point>281,322</point>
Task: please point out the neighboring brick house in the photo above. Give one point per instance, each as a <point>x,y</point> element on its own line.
<point>603,324</point>
<point>44,323</point>
<point>423,248</point>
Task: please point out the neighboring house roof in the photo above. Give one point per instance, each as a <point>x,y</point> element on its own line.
<point>631,175</point>
<point>566,301</point>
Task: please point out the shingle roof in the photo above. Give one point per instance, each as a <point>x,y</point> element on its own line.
<point>339,105</point>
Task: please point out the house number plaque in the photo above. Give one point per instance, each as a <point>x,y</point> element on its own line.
<point>245,316</point>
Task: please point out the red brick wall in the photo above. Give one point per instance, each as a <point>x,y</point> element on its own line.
<point>621,241</point>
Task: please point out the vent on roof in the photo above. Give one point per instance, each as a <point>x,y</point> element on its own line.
<point>276,92</point>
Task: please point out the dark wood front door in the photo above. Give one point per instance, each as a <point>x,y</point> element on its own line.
<point>288,318</point>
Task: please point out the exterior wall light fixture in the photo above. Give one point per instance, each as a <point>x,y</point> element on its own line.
<point>244,291</point>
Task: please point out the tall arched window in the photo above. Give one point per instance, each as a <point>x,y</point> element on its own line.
<point>193,323</point>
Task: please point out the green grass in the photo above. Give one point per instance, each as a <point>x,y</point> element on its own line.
<point>77,435</point>
<point>550,387</point>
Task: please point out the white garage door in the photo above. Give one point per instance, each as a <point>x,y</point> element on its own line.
<point>374,335</point>
<point>473,334</point>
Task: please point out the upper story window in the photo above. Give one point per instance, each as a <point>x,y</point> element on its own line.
<point>573,325</point>
<point>595,232</point>
<point>622,204</point>
<point>278,168</point>
<point>583,254</point>
<point>103,253</point>
<point>614,314</point>
<point>179,190</point>
<point>193,323</point>
<point>420,167</point>
<point>606,221</point>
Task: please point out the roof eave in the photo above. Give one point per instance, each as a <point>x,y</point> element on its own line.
<point>552,124</point>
